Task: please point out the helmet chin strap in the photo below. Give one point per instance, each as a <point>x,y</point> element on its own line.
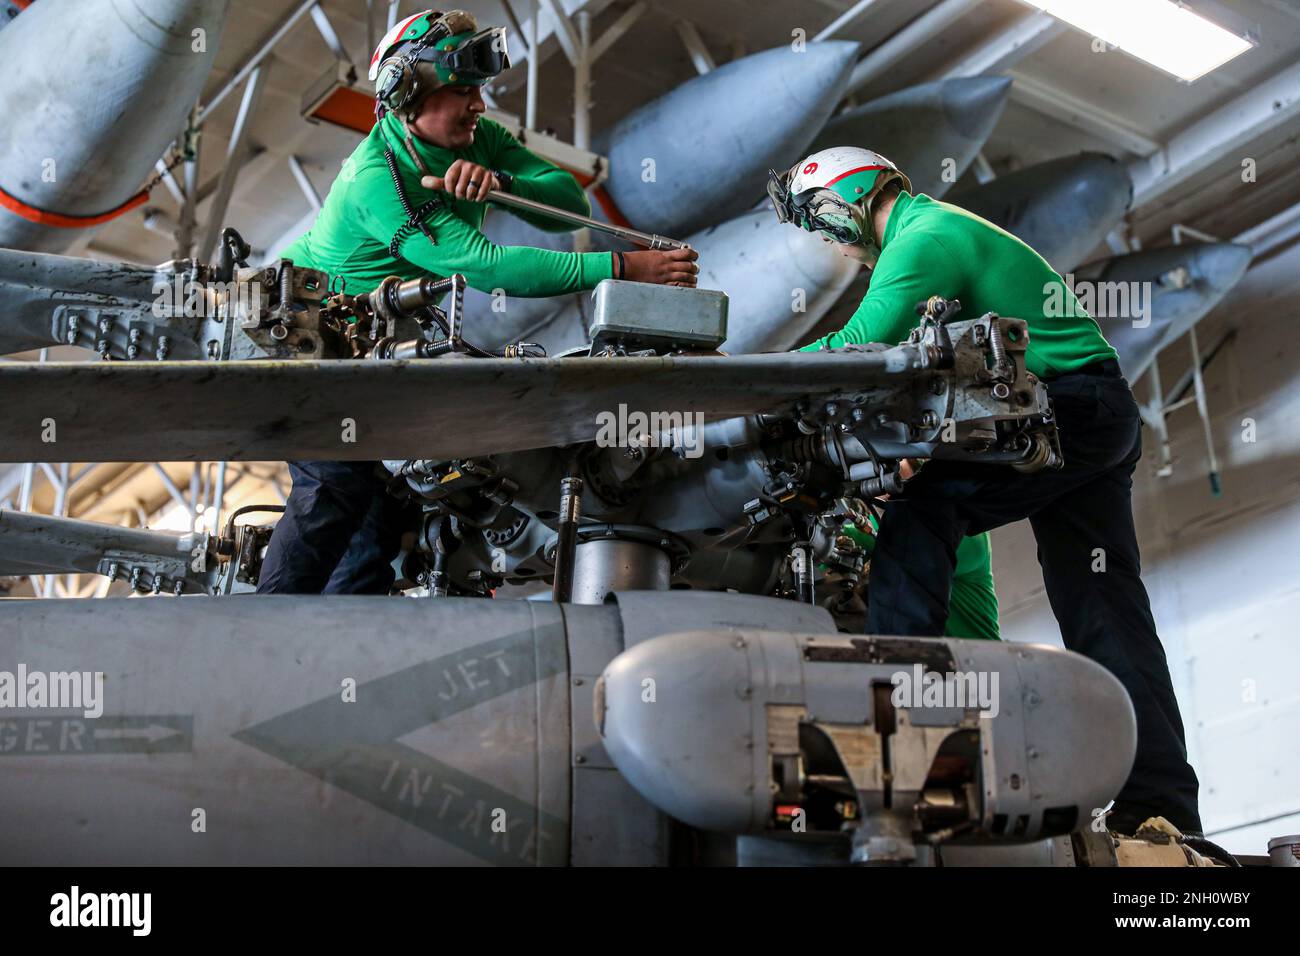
<point>863,218</point>
<point>410,146</point>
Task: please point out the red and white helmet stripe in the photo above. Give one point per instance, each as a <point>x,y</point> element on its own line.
<point>389,40</point>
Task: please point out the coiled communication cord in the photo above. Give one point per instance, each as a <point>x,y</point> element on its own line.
<point>414,217</point>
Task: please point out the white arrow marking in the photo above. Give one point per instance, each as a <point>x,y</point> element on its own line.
<point>154,733</point>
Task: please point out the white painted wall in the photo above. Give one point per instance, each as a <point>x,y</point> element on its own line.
<point>1223,574</point>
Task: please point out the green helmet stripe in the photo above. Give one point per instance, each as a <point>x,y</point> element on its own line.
<point>857,184</point>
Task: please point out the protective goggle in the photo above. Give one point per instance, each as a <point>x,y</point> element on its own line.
<point>480,58</point>
<point>815,210</point>
<point>778,190</point>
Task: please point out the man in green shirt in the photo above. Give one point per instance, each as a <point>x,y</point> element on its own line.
<point>1081,514</point>
<point>410,202</point>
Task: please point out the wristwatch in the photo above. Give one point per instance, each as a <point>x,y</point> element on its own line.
<point>505,180</point>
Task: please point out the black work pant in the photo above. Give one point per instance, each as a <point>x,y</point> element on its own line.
<point>339,533</point>
<point>1081,516</point>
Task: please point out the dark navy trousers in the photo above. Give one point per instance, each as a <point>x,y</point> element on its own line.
<point>339,533</point>
<point>1103,614</point>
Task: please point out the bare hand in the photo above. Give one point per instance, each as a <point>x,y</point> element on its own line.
<point>667,267</point>
<point>464,180</point>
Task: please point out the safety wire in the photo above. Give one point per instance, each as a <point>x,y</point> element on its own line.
<point>187,153</point>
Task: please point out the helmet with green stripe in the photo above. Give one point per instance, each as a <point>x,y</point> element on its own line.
<point>832,192</point>
<point>433,49</point>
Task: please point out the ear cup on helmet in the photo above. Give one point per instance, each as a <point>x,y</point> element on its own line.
<point>396,82</point>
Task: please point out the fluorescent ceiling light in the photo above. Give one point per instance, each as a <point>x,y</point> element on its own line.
<point>1168,36</point>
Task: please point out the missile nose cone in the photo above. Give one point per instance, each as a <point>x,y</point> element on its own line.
<point>924,129</point>
<point>969,102</point>
<point>1212,269</point>
<point>700,154</point>
<point>1222,264</point>
<point>1062,208</point>
<point>93,92</point>
<point>806,75</point>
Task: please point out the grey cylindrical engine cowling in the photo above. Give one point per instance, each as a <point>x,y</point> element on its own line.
<point>699,723</point>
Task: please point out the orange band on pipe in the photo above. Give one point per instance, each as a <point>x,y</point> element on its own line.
<point>44,218</point>
<point>611,210</point>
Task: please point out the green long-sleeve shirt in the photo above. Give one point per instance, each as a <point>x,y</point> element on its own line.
<point>351,235</point>
<point>972,602</point>
<point>935,248</point>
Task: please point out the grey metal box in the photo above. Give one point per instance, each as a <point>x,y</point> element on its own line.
<point>638,314</point>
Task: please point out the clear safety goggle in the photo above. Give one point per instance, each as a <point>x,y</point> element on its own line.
<point>815,210</point>
<point>778,190</point>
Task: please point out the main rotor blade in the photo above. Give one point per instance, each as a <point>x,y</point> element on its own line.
<point>365,410</point>
<point>34,286</point>
<point>46,544</point>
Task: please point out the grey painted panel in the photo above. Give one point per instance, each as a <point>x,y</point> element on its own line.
<point>613,824</point>
<point>461,709</point>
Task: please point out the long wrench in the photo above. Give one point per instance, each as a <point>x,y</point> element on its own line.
<point>648,239</point>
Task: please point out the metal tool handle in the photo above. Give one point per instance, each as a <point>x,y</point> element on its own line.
<point>648,239</point>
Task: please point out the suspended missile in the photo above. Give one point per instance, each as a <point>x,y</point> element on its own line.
<point>932,132</point>
<point>94,90</point>
<point>1145,300</point>
<point>700,154</point>
<point>779,279</point>
<point>693,158</point>
<point>459,731</point>
<point>1062,208</point>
